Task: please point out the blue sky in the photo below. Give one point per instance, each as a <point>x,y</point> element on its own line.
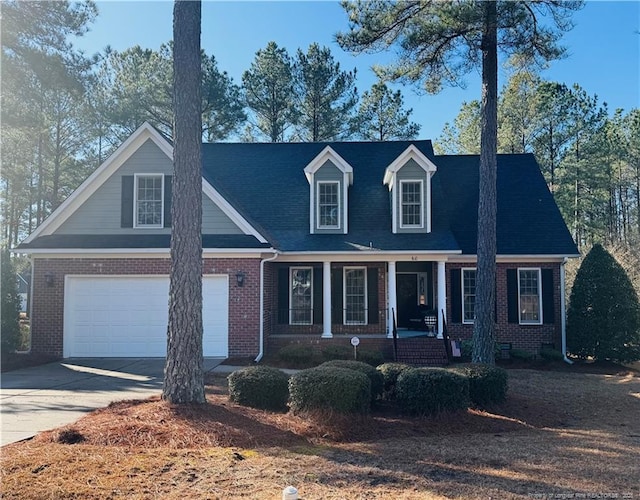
<point>603,48</point>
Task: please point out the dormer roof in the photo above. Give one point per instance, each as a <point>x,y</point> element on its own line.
<point>328,154</point>
<point>411,153</point>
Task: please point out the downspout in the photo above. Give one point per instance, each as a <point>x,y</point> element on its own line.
<point>261,352</point>
<point>563,313</point>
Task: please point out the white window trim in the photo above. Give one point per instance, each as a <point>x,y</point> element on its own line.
<point>317,207</point>
<point>135,202</point>
<point>344,296</point>
<point>462,270</point>
<point>291,270</point>
<point>422,216</point>
<point>540,319</point>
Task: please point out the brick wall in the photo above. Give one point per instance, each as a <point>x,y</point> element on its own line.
<point>47,305</point>
<point>526,337</point>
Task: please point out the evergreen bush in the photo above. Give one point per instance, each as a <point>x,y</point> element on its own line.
<point>390,373</point>
<point>373,358</point>
<point>259,387</point>
<point>487,384</point>
<point>330,388</point>
<point>297,355</point>
<point>428,391</point>
<point>603,320</point>
<point>337,352</point>
<point>9,306</point>
<point>376,378</point>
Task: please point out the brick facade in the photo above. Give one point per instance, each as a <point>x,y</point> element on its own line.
<point>526,337</point>
<point>47,305</point>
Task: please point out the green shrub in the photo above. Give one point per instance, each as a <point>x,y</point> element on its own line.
<point>297,355</point>
<point>551,355</point>
<point>390,373</point>
<point>376,378</point>
<point>603,319</point>
<point>487,384</point>
<point>330,388</point>
<point>259,387</point>
<point>521,355</point>
<point>337,352</point>
<point>373,358</point>
<point>427,391</point>
<point>9,306</point>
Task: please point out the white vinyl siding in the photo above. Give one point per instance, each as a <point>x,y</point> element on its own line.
<point>530,296</point>
<point>468,296</point>
<point>301,296</point>
<point>148,203</point>
<point>328,209</point>
<point>355,296</point>
<point>411,204</point>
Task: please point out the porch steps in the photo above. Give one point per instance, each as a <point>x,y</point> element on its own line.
<point>422,351</point>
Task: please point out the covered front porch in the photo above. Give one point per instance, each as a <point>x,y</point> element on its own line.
<point>367,299</point>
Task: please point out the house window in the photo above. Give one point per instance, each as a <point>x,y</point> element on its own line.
<point>301,312</point>
<point>411,204</point>
<point>149,201</point>
<point>468,295</point>
<point>355,296</point>
<point>530,296</point>
<point>328,205</point>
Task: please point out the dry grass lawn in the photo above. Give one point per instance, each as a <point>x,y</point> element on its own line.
<point>559,435</point>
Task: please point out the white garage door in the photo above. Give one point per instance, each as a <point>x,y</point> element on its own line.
<point>126,316</point>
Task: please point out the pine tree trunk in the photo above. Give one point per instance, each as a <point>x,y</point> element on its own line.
<point>184,380</point>
<point>484,325</point>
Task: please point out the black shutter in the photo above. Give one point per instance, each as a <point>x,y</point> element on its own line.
<point>512,296</point>
<point>548,309</point>
<point>126,204</point>
<point>456,296</point>
<point>372,295</point>
<point>336,296</point>
<point>283,295</point>
<point>167,200</point>
<point>317,296</point>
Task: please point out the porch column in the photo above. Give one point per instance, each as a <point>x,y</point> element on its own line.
<point>393,306</point>
<point>442,298</point>
<point>326,300</point>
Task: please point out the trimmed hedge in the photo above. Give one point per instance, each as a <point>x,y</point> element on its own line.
<point>373,358</point>
<point>259,387</point>
<point>330,388</point>
<point>551,355</point>
<point>521,354</point>
<point>297,355</point>
<point>376,378</point>
<point>337,352</point>
<point>390,373</point>
<point>487,384</point>
<point>428,391</point>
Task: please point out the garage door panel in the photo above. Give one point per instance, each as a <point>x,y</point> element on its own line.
<point>124,316</point>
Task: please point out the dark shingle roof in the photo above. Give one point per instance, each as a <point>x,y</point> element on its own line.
<point>266,183</point>
<point>83,241</point>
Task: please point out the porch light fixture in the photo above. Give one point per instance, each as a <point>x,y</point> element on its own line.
<point>240,278</point>
<point>48,279</point>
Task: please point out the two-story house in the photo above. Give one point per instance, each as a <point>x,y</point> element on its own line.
<point>302,242</point>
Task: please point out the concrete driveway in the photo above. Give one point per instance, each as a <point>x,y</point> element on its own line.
<point>48,396</point>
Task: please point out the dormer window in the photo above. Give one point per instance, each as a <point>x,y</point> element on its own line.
<point>328,205</point>
<point>408,178</point>
<point>412,206</point>
<point>329,177</point>
<point>149,203</point>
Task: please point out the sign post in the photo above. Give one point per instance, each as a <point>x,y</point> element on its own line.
<point>355,341</point>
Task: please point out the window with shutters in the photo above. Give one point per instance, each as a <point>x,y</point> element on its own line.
<point>149,201</point>
<point>468,295</point>
<point>355,295</point>
<point>530,296</point>
<point>301,298</point>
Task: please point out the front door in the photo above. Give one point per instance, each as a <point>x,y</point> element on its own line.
<point>407,298</point>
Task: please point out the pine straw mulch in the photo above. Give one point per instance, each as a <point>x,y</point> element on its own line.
<point>558,434</point>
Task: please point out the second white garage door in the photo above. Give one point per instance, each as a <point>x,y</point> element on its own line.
<point>126,316</point>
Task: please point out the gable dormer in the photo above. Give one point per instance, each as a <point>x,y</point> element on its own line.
<point>409,181</point>
<point>329,177</point>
